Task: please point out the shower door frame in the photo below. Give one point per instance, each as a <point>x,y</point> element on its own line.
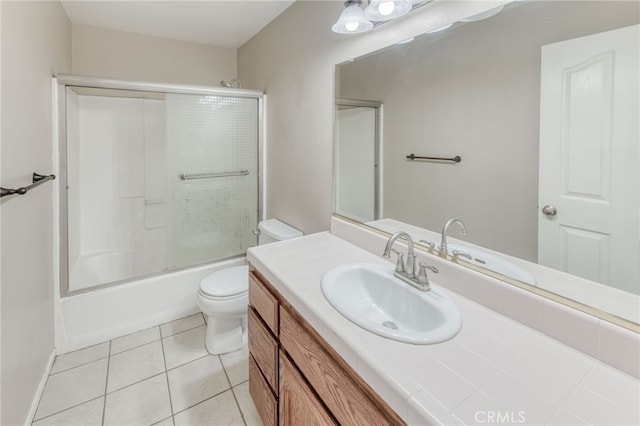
<point>60,84</point>
<point>377,107</point>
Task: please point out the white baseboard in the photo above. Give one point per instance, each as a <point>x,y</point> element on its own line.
<point>40,390</point>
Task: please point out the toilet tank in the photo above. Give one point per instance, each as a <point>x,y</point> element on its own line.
<point>273,230</point>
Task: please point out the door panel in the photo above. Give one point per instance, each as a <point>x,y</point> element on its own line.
<point>589,122</point>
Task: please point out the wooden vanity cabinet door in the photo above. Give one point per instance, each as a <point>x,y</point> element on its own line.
<point>262,396</point>
<point>299,405</point>
<point>264,349</point>
<point>340,388</point>
<point>263,301</point>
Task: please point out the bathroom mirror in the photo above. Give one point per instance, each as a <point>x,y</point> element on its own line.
<point>519,98</point>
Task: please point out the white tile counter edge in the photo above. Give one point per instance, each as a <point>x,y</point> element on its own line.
<point>481,368</point>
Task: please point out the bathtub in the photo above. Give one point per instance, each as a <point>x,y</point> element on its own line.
<point>93,317</point>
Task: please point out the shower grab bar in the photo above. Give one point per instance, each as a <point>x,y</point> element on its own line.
<point>455,159</point>
<point>37,180</point>
<point>213,175</point>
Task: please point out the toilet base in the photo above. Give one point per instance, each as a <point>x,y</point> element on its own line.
<point>225,335</point>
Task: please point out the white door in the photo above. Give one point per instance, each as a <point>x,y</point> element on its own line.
<point>356,162</point>
<point>589,158</point>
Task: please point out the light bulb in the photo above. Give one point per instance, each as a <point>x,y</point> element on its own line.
<point>386,8</point>
<point>351,20</point>
<point>351,26</point>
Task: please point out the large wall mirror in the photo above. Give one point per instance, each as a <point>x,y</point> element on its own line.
<point>541,104</point>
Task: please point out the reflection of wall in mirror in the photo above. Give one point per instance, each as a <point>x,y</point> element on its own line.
<point>472,91</point>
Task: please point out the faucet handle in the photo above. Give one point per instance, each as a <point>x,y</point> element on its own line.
<point>457,254</point>
<point>429,244</point>
<point>400,262</point>
<point>422,278</point>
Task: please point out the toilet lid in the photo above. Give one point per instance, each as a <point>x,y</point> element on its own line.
<point>226,282</point>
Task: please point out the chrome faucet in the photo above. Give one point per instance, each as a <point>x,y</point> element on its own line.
<point>443,241</point>
<point>407,271</point>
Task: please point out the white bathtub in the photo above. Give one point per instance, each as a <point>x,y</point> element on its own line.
<point>93,317</point>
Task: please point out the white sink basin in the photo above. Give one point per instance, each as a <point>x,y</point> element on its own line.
<point>370,296</point>
<point>494,263</point>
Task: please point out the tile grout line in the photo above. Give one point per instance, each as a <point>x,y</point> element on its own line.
<point>166,375</point>
<point>136,382</point>
<point>79,365</point>
<point>232,391</point>
<point>205,400</point>
<point>108,358</point>
<point>188,362</point>
<point>141,344</point>
<point>66,409</point>
<point>238,405</point>
<point>561,407</point>
<point>230,388</point>
<point>106,384</point>
<point>181,331</point>
<point>204,322</point>
<point>73,406</point>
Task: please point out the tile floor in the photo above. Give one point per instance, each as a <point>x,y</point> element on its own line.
<point>159,376</point>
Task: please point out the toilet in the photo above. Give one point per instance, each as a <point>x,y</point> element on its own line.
<point>223,295</point>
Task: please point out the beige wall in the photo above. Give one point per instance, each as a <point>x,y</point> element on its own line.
<point>293,60</point>
<point>100,52</point>
<point>36,42</point>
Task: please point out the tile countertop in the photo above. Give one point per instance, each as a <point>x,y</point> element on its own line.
<point>495,370</point>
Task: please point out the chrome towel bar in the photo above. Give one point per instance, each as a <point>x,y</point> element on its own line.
<point>37,180</point>
<point>455,159</point>
<point>213,175</point>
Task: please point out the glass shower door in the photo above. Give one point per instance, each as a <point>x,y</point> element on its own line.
<point>157,181</point>
<point>212,167</point>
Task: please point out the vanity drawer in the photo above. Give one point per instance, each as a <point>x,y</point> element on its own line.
<point>264,349</point>
<point>266,404</point>
<point>299,405</point>
<point>345,394</point>
<point>263,301</point>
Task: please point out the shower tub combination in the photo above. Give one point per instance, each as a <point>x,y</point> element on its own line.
<point>159,186</point>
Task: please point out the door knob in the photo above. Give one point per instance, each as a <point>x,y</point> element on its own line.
<point>549,210</point>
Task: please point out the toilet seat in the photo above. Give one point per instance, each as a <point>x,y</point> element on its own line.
<point>228,283</point>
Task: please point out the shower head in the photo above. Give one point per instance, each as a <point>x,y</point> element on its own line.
<point>230,83</point>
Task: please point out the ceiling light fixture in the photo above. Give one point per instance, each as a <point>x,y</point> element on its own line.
<point>352,20</point>
<point>384,10</point>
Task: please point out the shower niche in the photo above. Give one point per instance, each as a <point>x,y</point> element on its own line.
<point>156,178</point>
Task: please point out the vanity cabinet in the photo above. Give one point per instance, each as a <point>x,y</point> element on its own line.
<point>295,376</point>
<point>299,405</point>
